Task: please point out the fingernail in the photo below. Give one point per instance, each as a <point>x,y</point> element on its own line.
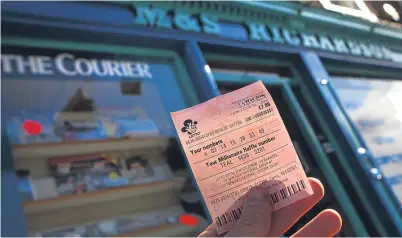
<point>255,196</point>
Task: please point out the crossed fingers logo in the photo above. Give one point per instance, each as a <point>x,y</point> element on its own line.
<point>190,126</point>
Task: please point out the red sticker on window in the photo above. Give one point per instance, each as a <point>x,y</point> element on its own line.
<point>188,220</point>
<point>32,127</point>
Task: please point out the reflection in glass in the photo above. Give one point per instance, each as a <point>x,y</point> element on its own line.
<point>375,108</point>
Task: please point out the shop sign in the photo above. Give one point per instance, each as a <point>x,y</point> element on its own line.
<point>69,65</point>
<point>208,24</point>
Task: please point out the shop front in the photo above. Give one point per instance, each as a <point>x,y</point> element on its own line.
<point>88,87</point>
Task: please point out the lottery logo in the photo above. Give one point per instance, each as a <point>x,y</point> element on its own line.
<point>190,126</point>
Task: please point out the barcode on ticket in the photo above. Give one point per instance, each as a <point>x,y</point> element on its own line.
<point>284,193</point>
<point>288,191</point>
<point>228,217</point>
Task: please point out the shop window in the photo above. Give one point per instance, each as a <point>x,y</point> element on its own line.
<point>126,96</point>
<point>86,130</point>
<point>374,107</point>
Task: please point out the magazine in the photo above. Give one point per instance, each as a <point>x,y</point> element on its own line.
<point>85,173</point>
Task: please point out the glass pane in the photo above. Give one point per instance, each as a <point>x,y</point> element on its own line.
<point>374,105</point>
<point>83,122</point>
<point>85,96</point>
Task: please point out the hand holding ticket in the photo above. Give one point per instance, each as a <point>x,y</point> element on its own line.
<point>235,142</point>
<point>258,220</point>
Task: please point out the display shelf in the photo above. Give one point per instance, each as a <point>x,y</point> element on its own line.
<point>45,150</point>
<point>72,210</point>
<point>168,230</point>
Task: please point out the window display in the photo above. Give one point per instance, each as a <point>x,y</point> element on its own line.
<point>79,174</point>
<point>89,134</point>
<point>374,105</point>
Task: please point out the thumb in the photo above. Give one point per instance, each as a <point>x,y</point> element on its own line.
<point>255,219</point>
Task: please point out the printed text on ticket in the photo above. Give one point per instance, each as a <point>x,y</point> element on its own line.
<point>234,142</point>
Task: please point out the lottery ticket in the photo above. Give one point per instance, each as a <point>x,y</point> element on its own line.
<point>237,141</point>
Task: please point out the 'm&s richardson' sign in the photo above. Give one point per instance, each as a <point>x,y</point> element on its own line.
<point>203,23</point>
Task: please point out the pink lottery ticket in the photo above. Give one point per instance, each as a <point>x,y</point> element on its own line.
<point>234,142</point>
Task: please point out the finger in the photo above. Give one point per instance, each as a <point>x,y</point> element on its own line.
<point>255,219</point>
<point>325,224</point>
<point>209,232</point>
<point>286,217</point>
